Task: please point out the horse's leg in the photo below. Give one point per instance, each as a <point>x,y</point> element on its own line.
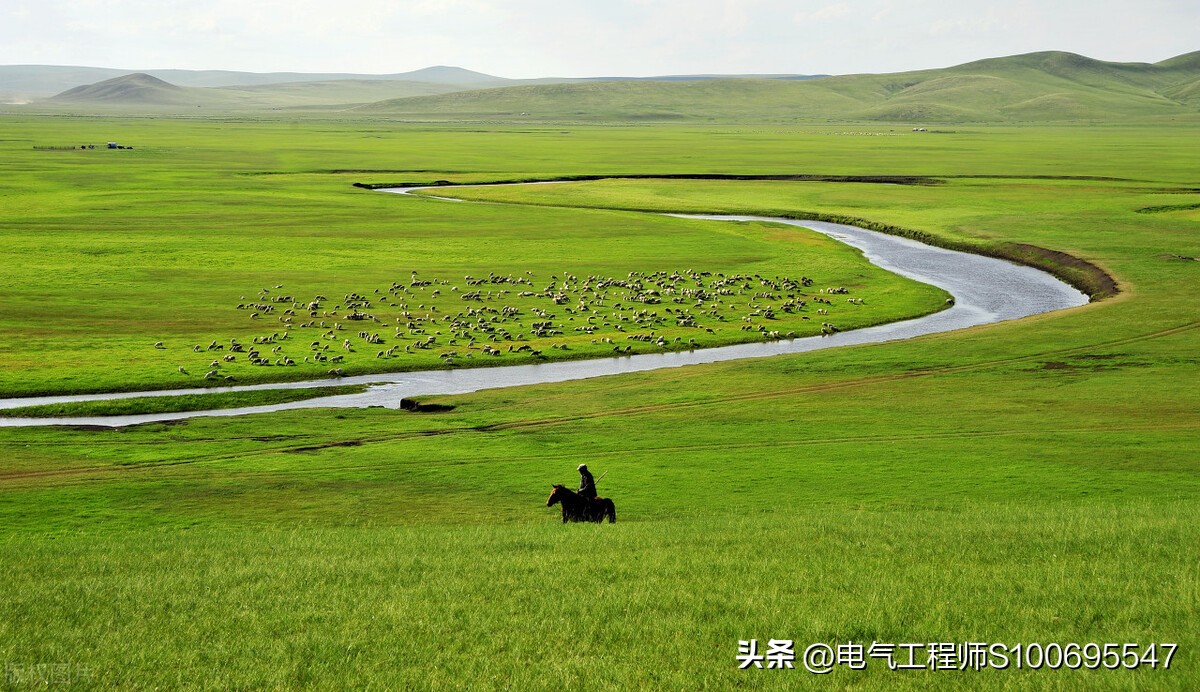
<point>612,512</point>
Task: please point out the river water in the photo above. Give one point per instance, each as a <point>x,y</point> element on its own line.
<point>985,290</point>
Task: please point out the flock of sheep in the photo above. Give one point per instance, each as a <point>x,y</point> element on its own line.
<point>498,314</point>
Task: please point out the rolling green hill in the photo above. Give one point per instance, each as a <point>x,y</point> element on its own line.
<point>20,84</point>
<point>142,91</point>
<point>133,88</point>
<point>1050,86</point>
<point>1034,87</point>
<point>722,99</point>
<point>42,81</point>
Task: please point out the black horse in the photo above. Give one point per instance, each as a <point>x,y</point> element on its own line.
<point>576,507</point>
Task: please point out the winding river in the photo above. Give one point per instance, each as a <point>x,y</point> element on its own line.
<point>985,290</point>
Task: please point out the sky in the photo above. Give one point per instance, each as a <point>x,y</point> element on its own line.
<point>584,38</point>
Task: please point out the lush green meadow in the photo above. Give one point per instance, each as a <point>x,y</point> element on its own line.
<point>1034,481</point>
<point>111,252</point>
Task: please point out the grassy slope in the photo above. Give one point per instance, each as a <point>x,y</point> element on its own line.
<point>143,93</point>
<point>1031,481</point>
<point>41,81</point>
<point>1037,87</point>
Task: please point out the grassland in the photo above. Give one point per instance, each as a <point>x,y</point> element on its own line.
<point>121,286</point>
<point>1028,481</point>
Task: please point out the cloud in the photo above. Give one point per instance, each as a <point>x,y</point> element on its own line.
<point>583,37</point>
<point>823,14</point>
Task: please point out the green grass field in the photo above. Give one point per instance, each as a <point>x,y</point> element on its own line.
<point>187,238</point>
<point>1033,481</point>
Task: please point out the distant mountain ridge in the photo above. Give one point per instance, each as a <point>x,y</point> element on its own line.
<point>1044,86</point>
<point>42,81</point>
<point>140,90</point>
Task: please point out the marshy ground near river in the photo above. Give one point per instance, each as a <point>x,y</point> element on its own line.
<point>1028,481</point>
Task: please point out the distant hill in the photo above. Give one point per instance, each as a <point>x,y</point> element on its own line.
<point>442,74</point>
<point>1048,86</point>
<point>1034,87</point>
<point>31,82</point>
<point>27,82</point>
<point>145,92</point>
<point>132,88</point>
<point>720,99</point>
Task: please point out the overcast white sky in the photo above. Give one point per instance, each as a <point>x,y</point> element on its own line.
<point>584,38</point>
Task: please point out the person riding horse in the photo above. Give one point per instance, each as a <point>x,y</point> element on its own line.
<point>587,484</point>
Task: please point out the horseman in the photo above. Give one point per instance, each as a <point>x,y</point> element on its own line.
<point>587,484</point>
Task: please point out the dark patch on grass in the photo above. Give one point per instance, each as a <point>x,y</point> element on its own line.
<point>1088,362</point>
<point>1164,208</point>
<point>877,179</point>
<point>1096,178</point>
<point>414,406</point>
<point>152,426</point>
<point>155,426</point>
<point>327,445</point>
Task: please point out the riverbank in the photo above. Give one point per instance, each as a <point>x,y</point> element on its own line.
<point>984,290</point>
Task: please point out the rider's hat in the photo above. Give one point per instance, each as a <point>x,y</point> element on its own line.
<point>581,467</point>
